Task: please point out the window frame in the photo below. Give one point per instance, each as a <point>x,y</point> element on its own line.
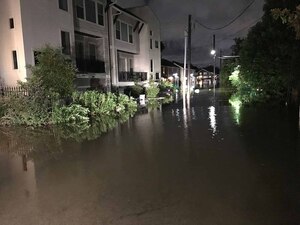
<point>62,6</point>
<point>15,59</point>
<point>66,51</point>
<point>11,23</point>
<point>129,32</point>
<point>96,13</point>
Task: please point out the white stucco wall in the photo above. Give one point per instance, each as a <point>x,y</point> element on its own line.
<point>42,23</point>
<point>10,40</point>
<point>146,54</point>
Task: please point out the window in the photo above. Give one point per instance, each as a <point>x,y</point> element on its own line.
<point>65,42</point>
<point>130,34</point>
<point>36,55</point>
<point>150,43</point>
<point>80,9</point>
<point>11,23</point>
<point>118,30</point>
<point>90,11</point>
<point>156,44</point>
<point>79,50</point>
<point>15,59</point>
<point>151,65</point>
<point>63,4</point>
<point>92,51</point>
<point>100,14</point>
<point>124,32</point>
<point>150,32</point>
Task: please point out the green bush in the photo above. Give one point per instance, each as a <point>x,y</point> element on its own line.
<point>54,71</point>
<point>73,114</point>
<point>134,91</point>
<point>152,91</point>
<point>99,104</point>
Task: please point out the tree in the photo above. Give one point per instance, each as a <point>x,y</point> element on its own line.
<point>268,56</point>
<point>54,71</point>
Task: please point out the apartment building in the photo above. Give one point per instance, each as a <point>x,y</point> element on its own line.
<point>103,39</point>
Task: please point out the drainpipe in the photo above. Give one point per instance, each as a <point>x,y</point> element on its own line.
<point>110,38</point>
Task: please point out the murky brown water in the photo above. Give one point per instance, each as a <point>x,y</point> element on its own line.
<point>210,164</point>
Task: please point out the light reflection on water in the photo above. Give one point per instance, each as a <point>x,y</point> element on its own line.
<point>212,119</point>
<point>160,166</point>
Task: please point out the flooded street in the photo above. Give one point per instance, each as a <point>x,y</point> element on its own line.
<point>208,164</point>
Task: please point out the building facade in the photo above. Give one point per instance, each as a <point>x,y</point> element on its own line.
<point>103,40</point>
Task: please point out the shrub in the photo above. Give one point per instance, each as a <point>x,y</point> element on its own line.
<point>152,91</point>
<point>134,91</point>
<point>54,71</point>
<point>73,114</point>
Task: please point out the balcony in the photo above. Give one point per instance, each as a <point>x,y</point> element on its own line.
<point>132,76</point>
<point>90,66</point>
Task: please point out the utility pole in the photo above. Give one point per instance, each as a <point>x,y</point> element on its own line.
<point>189,55</point>
<point>214,55</point>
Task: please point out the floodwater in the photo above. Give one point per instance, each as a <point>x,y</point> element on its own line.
<point>208,163</point>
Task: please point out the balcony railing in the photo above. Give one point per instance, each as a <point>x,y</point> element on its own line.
<point>132,76</point>
<point>90,66</point>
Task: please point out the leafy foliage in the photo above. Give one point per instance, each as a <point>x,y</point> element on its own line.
<point>153,90</point>
<point>73,114</point>
<point>134,91</point>
<point>54,71</point>
<point>268,58</point>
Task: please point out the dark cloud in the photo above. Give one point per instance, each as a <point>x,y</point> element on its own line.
<point>173,15</point>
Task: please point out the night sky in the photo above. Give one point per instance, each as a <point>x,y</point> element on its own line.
<point>173,15</point>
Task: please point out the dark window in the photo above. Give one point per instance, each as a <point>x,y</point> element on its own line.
<point>150,43</point>
<point>11,23</point>
<point>118,30</point>
<point>15,59</point>
<point>156,44</point>
<point>100,14</point>
<point>151,65</point>
<point>65,42</point>
<point>36,56</point>
<point>150,32</point>
<point>90,11</point>
<point>80,9</point>
<point>63,4</point>
<point>92,51</point>
<point>124,32</point>
<point>130,30</point>
<point>79,50</point>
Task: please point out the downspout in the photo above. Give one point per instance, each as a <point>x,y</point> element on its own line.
<point>108,12</point>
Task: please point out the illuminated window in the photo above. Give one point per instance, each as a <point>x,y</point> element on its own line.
<point>65,42</point>
<point>63,4</point>
<point>11,23</point>
<point>80,9</point>
<point>15,59</point>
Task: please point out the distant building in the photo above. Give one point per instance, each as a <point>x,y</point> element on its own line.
<point>104,40</point>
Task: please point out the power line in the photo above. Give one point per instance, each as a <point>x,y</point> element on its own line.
<point>228,24</point>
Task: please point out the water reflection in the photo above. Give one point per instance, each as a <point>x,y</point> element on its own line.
<point>236,103</point>
<point>212,119</point>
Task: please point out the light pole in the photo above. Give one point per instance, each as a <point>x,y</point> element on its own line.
<point>214,53</point>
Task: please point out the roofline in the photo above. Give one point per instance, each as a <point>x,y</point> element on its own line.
<point>119,8</point>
